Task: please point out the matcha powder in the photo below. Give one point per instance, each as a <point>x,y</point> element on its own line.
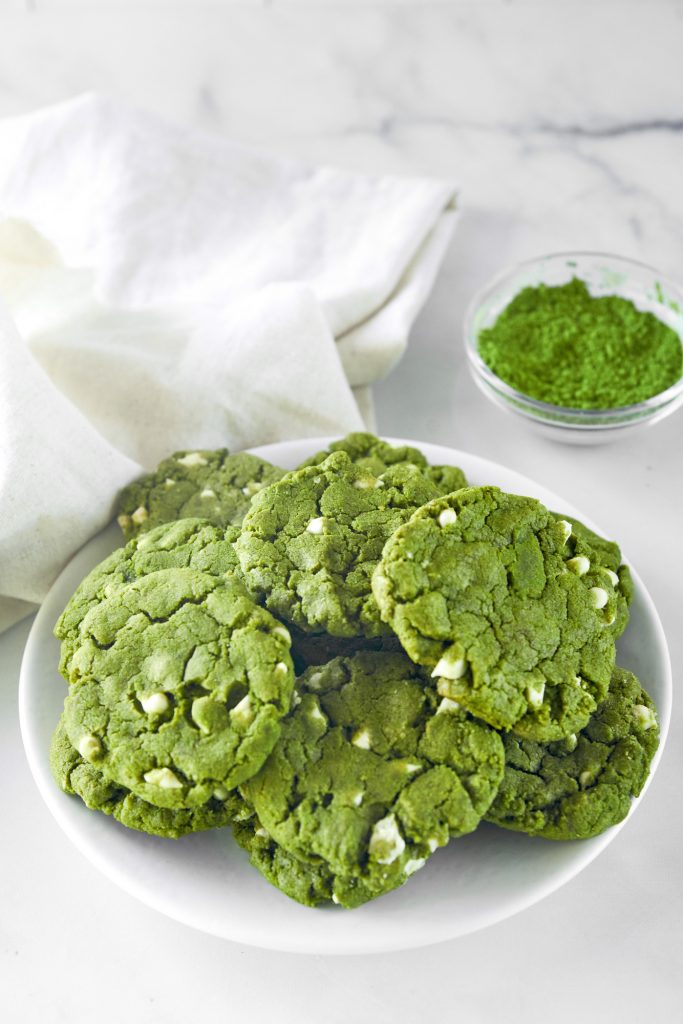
<point>564,346</point>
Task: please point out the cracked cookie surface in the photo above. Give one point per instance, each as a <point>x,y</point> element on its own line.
<point>577,788</point>
<point>77,777</point>
<point>213,485</point>
<point>178,684</point>
<point>372,773</point>
<point>371,453</point>
<point>479,588</point>
<point>310,542</point>
<point>187,543</point>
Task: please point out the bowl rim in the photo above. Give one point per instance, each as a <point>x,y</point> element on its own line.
<point>619,416</point>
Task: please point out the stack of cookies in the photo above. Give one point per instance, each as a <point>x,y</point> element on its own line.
<point>351,664</point>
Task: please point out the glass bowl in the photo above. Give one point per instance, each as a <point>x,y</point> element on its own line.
<point>604,275</point>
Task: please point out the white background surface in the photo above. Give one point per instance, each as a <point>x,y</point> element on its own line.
<point>563,121</point>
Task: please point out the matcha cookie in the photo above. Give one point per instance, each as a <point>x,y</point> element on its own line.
<point>77,777</point>
<point>479,587</point>
<point>580,786</point>
<point>211,485</point>
<point>589,550</point>
<point>371,453</point>
<point>178,684</point>
<point>310,542</point>
<point>372,773</point>
<point>188,543</point>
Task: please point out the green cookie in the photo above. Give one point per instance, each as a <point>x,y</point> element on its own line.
<point>310,542</point>
<point>76,776</point>
<point>580,786</point>
<point>202,484</point>
<point>372,773</point>
<point>478,587</point>
<point>187,543</point>
<point>590,550</point>
<point>369,452</point>
<point>178,684</point>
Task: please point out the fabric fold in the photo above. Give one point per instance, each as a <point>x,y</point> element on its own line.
<point>166,289</point>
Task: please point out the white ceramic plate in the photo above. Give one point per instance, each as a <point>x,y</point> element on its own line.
<point>205,881</point>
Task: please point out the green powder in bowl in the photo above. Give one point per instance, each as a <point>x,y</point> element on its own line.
<point>585,346</point>
<point>563,346</point>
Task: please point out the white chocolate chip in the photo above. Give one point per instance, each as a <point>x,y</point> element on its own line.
<point>386,842</point>
<point>164,778</point>
<point>220,793</point>
<point>357,799</point>
<point>599,597</point>
<point>361,739</point>
<point>252,488</point>
<point>410,767</point>
<point>317,715</point>
<point>612,576</point>
<point>578,681</point>
<point>262,832</point>
<point>534,693</point>
<point>365,483</point>
<point>611,618</point>
<point>579,564</point>
<point>207,493</point>
<point>335,898</point>
<point>284,633</point>
<point>447,705</point>
<point>571,741</point>
<point>168,482</point>
<point>413,865</point>
<point>644,716</point>
<point>139,515</point>
<point>123,521</point>
<point>450,668</point>
<point>447,517</point>
<point>566,529</point>
<point>316,525</point>
<point>296,700</point>
<point>154,703</point>
<point>433,844</point>
<point>585,779</point>
<point>89,747</point>
<point>243,711</point>
<point>281,668</point>
<point>193,459</point>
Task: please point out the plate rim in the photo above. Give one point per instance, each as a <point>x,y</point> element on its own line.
<point>238,931</point>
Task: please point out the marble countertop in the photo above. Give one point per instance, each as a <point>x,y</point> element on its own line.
<point>563,123</point>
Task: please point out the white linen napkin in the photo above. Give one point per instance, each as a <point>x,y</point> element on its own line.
<point>167,289</point>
